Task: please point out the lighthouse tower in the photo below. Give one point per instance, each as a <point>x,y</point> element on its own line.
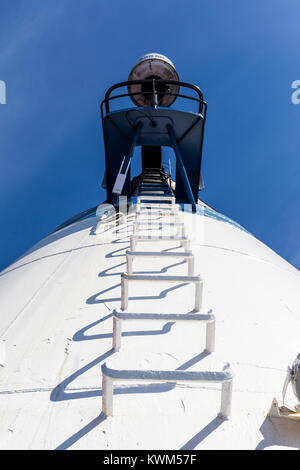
<point>150,321</point>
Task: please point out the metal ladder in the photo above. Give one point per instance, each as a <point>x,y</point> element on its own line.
<point>155,197</point>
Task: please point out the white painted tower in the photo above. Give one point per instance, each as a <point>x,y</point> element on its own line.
<point>187,269</point>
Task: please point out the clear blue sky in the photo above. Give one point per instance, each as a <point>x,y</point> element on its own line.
<point>58,57</point>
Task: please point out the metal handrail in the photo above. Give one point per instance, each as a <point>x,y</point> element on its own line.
<point>202,109</point>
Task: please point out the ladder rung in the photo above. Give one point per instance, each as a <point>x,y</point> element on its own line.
<point>156,198</point>
<point>109,375</point>
<point>151,188</point>
<point>151,180</point>
<point>208,319</point>
<point>159,186</point>
<point>188,256</point>
<point>126,278</point>
<point>150,194</point>
<point>193,316</point>
<point>165,209</point>
<point>152,206</point>
<point>172,213</point>
<point>175,216</point>
<point>185,242</point>
<point>154,186</point>
<point>148,223</point>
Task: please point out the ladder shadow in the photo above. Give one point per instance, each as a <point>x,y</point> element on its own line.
<point>82,432</point>
<point>59,394</point>
<point>163,270</point>
<point>121,240</point>
<point>201,435</point>
<point>93,230</point>
<point>129,229</point>
<point>210,427</point>
<point>194,360</point>
<point>111,254</point>
<point>80,335</point>
<point>94,298</point>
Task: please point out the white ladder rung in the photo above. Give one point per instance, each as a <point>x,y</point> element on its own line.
<point>159,216</point>
<point>159,212</point>
<point>208,319</point>
<point>152,224</point>
<point>188,256</point>
<point>126,278</point>
<point>152,191</point>
<point>149,206</point>
<point>134,239</point>
<point>109,375</point>
<point>141,198</point>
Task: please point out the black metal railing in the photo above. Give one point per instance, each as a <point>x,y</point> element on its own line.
<point>154,93</point>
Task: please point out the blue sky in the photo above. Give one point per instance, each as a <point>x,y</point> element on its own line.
<point>57,58</point>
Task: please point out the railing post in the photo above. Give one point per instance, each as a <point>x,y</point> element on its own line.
<point>210,336</point>
<point>129,261</point>
<point>226,397</point>
<point>124,293</point>
<point>198,296</point>
<point>191,266</point>
<point>154,95</point>
<point>187,244</point>
<point>132,243</point>
<point>107,395</point>
<point>117,334</point>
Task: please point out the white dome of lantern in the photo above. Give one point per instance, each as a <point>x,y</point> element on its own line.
<point>153,66</point>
